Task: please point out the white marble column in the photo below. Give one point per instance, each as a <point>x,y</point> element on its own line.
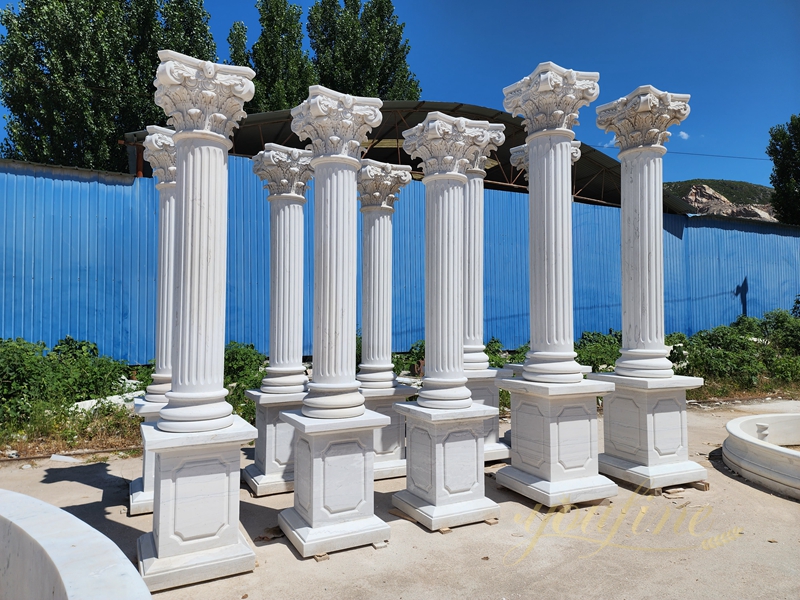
<point>553,410</point>
<point>645,433</point>
<point>286,171</point>
<point>378,187</point>
<point>159,151</point>
<point>197,440</point>
<point>445,431</point>
<point>334,434</point>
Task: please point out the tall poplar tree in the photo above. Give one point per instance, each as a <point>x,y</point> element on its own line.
<point>237,45</point>
<point>784,150</point>
<point>145,36</point>
<point>186,29</point>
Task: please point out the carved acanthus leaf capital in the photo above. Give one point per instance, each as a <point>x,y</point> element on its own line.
<point>451,145</point>
<point>199,95</point>
<point>642,117</point>
<point>159,151</point>
<point>520,159</point>
<point>379,183</point>
<point>551,96</point>
<point>286,170</point>
<point>335,123</point>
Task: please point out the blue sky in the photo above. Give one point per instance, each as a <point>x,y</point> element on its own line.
<point>740,61</point>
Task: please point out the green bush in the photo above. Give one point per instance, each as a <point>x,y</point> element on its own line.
<point>405,361</point>
<point>599,350</point>
<point>243,371</point>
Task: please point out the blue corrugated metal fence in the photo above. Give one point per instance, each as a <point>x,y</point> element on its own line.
<point>80,251</point>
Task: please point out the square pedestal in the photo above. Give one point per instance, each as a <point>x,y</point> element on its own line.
<point>141,488</point>
<point>195,533</point>
<point>273,469</point>
<point>483,385</point>
<point>389,441</point>
<point>554,442</point>
<point>334,501</point>
<point>645,431</point>
<point>445,480</point>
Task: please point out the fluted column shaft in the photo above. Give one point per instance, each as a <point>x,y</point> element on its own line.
<point>444,384</point>
<point>197,400</point>
<point>474,355</point>
<point>643,350</point>
<point>165,287</point>
<point>333,392</point>
<point>286,373</point>
<point>376,368</point>
<point>552,357</point>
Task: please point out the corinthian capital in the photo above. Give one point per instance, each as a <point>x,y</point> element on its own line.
<point>199,95</point>
<point>520,159</point>
<point>451,145</point>
<point>642,117</point>
<point>379,183</point>
<point>551,96</point>
<point>159,151</point>
<point>335,123</point>
<point>286,170</point>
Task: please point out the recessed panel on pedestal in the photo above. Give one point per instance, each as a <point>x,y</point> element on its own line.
<point>529,434</point>
<point>574,437</point>
<point>460,462</point>
<point>420,459</point>
<point>623,419</point>
<point>302,485</point>
<point>343,484</point>
<point>201,499</point>
<point>283,449</point>
<point>667,434</point>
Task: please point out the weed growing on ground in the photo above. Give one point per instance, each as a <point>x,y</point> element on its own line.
<point>244,370</point>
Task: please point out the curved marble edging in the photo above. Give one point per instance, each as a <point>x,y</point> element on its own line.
<point>46,552</point>
<point>753,449</point>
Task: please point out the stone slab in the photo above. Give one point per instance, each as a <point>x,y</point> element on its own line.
<point>676,382</point>
<point>448,515</point>
<point>440,415</point>
<point>266,399</point>
<point>329,538</point>
<point>312,425</point>
<point>266,484</point>
<point>239,432</point>
<point>549,493</point>
<point>655,476</point>
<point>148,410</point>
<point>174,571</point>
<point>552,390</point>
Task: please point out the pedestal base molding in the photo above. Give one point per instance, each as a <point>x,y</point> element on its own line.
<point>645,431</point>
<point>196,519</point>
<point>389,441</point>
<point>334,490</point>
<point>273,469</point>
<point>445,480</point>
<point>554,442</point>
<point>483,385</point>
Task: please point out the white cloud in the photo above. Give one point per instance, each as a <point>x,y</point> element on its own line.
<point>611,143</point>
<point>683,135</point>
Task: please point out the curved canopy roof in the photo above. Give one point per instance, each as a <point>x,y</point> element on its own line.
<point>596,176</point>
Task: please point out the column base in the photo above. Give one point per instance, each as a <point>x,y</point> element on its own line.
<point>649,477</point>
<point>334,491</point>
<point>273,469</point>
<point>554,442</point>
<point>556,493</point>
<point>174,571</point>
<point>141,501</point>
<point>645,431</point>
<point>329,538</point>
<point>141,489</point>
<point>390,441</point>
<point>445,482</point>
<point>195,533</point>
<point>482,384</point>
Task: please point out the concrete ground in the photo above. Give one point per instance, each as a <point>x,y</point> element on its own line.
<point>737,540</point>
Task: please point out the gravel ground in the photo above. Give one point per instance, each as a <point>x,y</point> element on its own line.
<point>736,540</point>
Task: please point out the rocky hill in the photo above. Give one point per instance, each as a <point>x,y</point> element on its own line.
<point>737,199</point>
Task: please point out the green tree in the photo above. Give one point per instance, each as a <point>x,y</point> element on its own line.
<point>186,29</point>
<point>784,150</point>
<point>63,66</point>
<point>237,45</point>
<point>361,50</point>
<point>283,69</point>
<point>145,38</point>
